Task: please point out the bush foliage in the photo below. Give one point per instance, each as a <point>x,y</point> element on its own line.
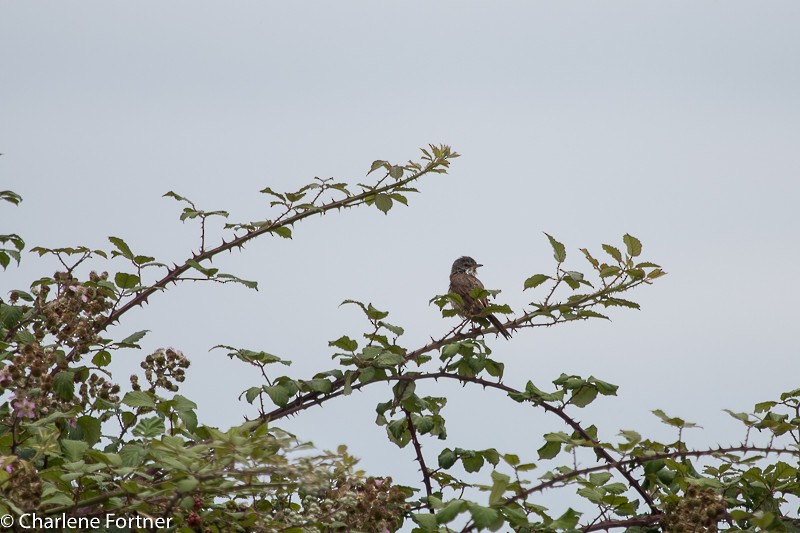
<point>76,442</point>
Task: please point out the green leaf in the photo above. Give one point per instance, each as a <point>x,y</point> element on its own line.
<point>186,485</point>
<point>132,454</point>
<point>133,338</point>
<point>447,458</point>
<point>90,427</point>
<point>485,517</point>
<point>11,197</point>
<point>149,428</point>
<point>613,252</point>
<point>560,253</point>
<point>278,394</point>
<point>608,271</point>
<point>283,231</point>
<point>603,387</point>
<point>426,521</point>
<point>472,462</point>
<point>583,396</point>
<point>383,202</point>
<point>588,313</point>
<point>267,190</point>
<point>345,343</point>
<point>64,385</point>
<point>123,249</point>
<point>189,419</point>
<point>535,281</point>
<point>600,478</point>
<point>376,165</point>
<point>396,172</point>
<point>397,330</point>
<point>73,449</point>
<point>673,421</point>
<point>619,302</point>
<point>197,266</point>
<point>375,314</point>
<point>566,521</point>
<point>500,483</point>
<point>549,450</point>
<point>252,393</point>
<point>102,358</point>
<point>319,385</point>
<point>633,245</point>
<point>452,509</point>
<point>126,281</point>
<point>138,399</point>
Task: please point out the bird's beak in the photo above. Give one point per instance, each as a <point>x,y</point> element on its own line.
<point>476,266</point>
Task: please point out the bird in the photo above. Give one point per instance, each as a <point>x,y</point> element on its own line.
<point>462,280</point>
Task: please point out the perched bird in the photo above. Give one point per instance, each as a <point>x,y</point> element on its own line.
<point>462,281</point>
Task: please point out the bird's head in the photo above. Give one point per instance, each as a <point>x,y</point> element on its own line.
<point>465,264</point>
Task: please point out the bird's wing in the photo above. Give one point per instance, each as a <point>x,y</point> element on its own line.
<point>461,284</point>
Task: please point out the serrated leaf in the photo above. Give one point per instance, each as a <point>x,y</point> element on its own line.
<point>426,522</point>
<point>535,281</point>
<point>149,427</point>
<point>472,462</point>
<point>122,247</point>
<point>189,419</point>
<point>583,396</point>
<point>500,483</point>
<point>485,517</point>
<point>252,393</point>
<point>283,231</point>
<point>102,358</point>
<point>450,510</point>
<point>559,252</point>
<point>345,343</point>
<point>138,399</point>
<point>613,252</point>
<point>134,337</point>
<point>90,428</point>
<point>588,313</point>
<point>267,190</point>
<point>566,521</point>
<point>126,281</point>
<point>73,449</point>
<point>633,245</point>
<point>447,458</point>
<point>376,165</point>
<point>549,450</point>
<point>673,421</point>
<point>278,394</point>
<point>64,385</point>
<point>186,485</point>
<point>383,202</point>
<point>619,302</point>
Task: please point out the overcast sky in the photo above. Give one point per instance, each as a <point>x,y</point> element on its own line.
<point>677,122</point>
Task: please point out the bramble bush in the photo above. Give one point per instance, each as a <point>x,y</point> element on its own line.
<point>76,441</point>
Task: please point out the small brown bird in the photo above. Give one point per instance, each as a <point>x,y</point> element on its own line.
<point>462,280</point>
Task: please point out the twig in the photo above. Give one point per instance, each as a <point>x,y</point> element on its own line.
<point>426,476</point>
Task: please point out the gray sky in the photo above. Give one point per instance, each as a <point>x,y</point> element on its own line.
<point>676,122</point>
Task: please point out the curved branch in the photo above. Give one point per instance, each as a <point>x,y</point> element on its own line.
<point>174,273</point>
<point>318,399</point>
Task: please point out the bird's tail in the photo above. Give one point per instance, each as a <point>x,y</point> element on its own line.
<point>499,325</point>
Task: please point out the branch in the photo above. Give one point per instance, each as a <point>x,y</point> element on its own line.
<point>317,399</point>
<point>646,520</point>
<point>174,273</point>
<point>426,476</point>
